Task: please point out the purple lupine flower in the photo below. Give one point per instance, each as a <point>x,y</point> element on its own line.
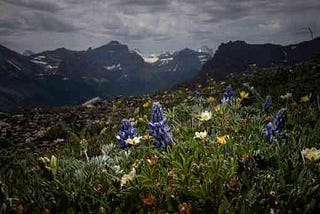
<point>228,94</point>
<point>266,105</point>
<point>268,132</point>
<point>277,126</point>
<point>279,121</point>
<point>126,131</point>
<point>158,127</point>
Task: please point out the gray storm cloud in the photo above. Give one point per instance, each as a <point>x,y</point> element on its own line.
<point>153,26</point>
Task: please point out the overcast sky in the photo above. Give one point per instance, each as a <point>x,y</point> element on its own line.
<point>154,25</point>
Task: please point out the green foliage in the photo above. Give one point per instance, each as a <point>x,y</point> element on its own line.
<point>244,175</point>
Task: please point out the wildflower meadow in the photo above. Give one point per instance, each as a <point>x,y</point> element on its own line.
<point>241,146</point>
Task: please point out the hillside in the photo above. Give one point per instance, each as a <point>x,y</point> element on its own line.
<point>240,155</point>
<point>18,85</point>
<point>234,58</point>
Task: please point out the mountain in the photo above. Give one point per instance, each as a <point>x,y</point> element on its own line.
<point>66,77</point>
<point>18,85</point>
<point>114,69</point>
<point>235,58</point>
<point>110,70</point>
<point>180,66</point>
<point>50,60</point>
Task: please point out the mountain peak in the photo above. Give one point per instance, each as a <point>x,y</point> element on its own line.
<point>113,45</point>
<point>27,53</point>
<point>114,42</point>
<point>187,50</point>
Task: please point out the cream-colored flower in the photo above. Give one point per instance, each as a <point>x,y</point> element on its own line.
<point>128,177</point>
<point>312,154</point>
<point>133,121</point>
<point>222,139</point>
<point>133,141</point>
<point>84,142</point>
<point>201,135</point>
<point>286,96</point>
<point>44,160</point>
<point>205,116</point>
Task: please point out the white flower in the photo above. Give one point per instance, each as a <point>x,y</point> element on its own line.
<point>286,96</point>
<point>205,116</point>
<point>312,154</point>
<point>133,141</point>
<point>201,135</point>
<point>128,177</point>
<point>133,121</point>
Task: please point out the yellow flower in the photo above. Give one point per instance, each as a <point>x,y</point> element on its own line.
<point>218,109</point>
<point>146,104</point>
<point>146,137</point>
<point>53,162</point>
<point>210,99</point>
<point>244,95</point>
<point>222,139</point>
<point>312,154</point>
<point>305,98</point>
<point>133,141</point>
<point>205,116</point>
<point>201,135</point>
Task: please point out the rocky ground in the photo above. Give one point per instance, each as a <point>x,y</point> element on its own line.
<point>36,129</point>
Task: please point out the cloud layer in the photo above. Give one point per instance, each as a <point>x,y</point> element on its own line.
<point>153,25</point>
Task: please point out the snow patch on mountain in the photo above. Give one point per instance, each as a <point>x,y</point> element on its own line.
<point>38,62</point>
<point>151,59</point>
<point>14,65</point>
<point>113,67</point>
<point>148,59</point>
<point>207,50</point>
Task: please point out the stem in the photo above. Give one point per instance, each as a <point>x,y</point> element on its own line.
<point>85,153</point>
